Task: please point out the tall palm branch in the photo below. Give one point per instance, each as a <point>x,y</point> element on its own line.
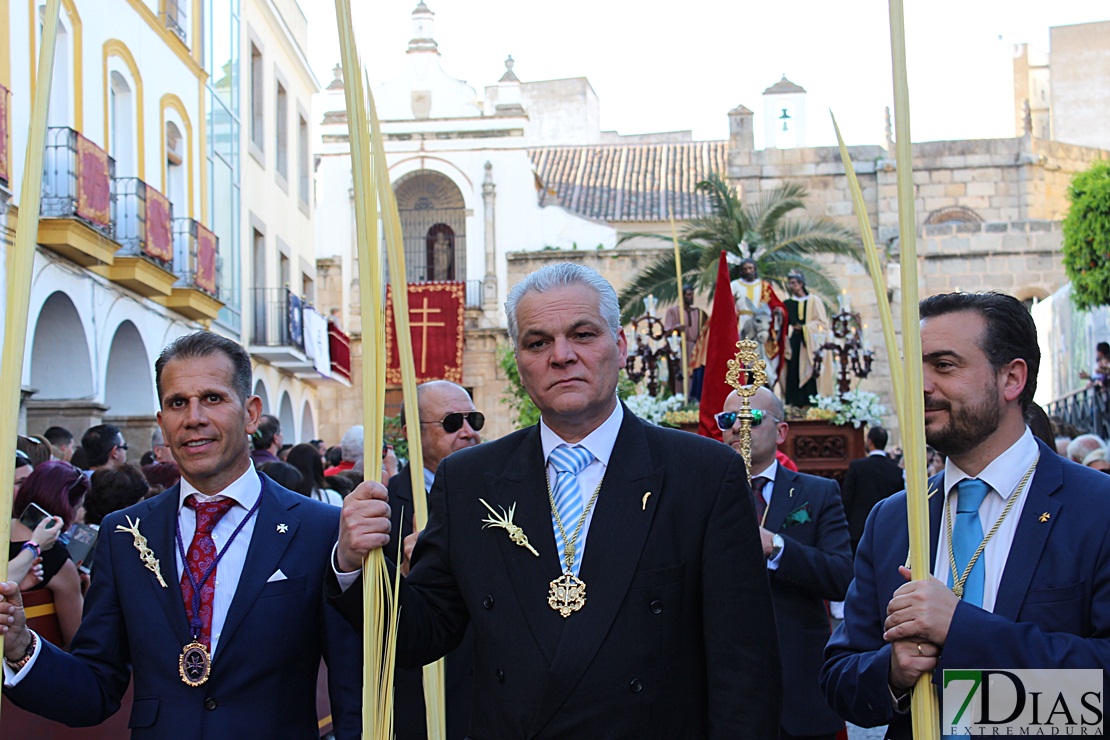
<point>765,230</point>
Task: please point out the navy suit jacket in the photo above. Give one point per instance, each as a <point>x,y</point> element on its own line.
<point>677,637</point>
<point>867,482</point>
<point>815,565</point>
<point>1052,608</point>
<point>409,714</point>
<point>263,681</point>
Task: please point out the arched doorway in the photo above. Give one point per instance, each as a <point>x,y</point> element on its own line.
<point>433,220</point>
<point>308,424</point>
<point>288,423</point>
<point>129,383</point>
<point>60,363</point>
<point>260,391</point>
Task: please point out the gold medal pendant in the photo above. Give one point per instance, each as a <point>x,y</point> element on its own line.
<point>194,665</point>
<point>567,594</point>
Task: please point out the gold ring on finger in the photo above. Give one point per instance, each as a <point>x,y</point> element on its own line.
<point>919,653</point>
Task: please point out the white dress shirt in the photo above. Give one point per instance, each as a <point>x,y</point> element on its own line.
<point>600,443</point>
<point>1003,475</point>
<point>245,490</point>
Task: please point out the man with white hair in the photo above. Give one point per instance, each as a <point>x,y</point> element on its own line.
<point>1084,445</point>
<point>611,571</point>
<point>351,447</point>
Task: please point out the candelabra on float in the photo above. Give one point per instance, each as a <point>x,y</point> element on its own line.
<point>847,346</point>
<point>649,346</point>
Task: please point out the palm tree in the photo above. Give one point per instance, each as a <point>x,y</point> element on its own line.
<point>761,230</point>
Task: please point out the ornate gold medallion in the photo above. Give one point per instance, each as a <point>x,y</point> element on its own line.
<point>567,594</point>
<point>194,665</point>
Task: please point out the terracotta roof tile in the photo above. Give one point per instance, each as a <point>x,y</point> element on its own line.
<point>629,182</point>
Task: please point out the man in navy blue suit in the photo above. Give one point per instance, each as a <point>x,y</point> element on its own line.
<point>227,643</point>
<point>805,540</point>
<point>1039,594</point>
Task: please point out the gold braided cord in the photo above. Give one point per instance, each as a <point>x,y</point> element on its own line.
<point>569,545</point>
<point>957,580</point>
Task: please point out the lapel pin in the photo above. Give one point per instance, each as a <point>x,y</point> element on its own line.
<point>643,503</point>
<point>282,528</point>
<point>791,493</point>
<point>504,521</point>
<point>1044,517</point>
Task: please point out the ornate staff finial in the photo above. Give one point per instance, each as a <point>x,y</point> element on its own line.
<point>747,363</point>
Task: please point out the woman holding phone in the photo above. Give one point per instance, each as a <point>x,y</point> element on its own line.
<point>57,489</point>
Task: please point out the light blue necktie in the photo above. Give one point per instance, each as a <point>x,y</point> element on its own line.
<point>568,463</point>
<point>967,534</point>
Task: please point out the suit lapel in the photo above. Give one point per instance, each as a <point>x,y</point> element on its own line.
<point>1032,533</point>
<point>159,525</point>
<point>618,531</point>
<point>786,496</point>
<point>936,515</point>
<point>266,549</point>
<point>522,484</point>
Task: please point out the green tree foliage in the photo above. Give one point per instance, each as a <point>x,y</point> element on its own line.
<point>766,230</point>
<point>1087,237</point>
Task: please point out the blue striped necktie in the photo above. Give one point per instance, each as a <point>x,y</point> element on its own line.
<point>568,462</point>
<point>967,535</point>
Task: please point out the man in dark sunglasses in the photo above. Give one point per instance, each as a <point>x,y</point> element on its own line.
<point>448,423</point>
<point>809,560</point>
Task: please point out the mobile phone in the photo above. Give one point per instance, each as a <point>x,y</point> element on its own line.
<point>32,515</point>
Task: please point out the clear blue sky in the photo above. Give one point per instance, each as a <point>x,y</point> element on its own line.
<point>685,65</point>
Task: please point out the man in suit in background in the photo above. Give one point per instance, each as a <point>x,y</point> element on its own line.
<point>1039,594</point>
<point>640,606</point>
<point>868,482</point>
<point>228,643</point>
<point>448,422</point>
<point>805,541</point>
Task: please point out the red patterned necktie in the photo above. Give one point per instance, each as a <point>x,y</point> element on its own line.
<point>758,484</point>
<point>201,556</point>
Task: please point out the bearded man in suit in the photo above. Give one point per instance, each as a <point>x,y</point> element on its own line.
<point>1019,536</point>
<point>639,606</point>
<point>805,540</point>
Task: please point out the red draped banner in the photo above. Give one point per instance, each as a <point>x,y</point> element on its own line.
<point>159,236</point>
<point>436,325</point>
<point>205,277</point>
<point>94,183</point>
<point>4,98</point>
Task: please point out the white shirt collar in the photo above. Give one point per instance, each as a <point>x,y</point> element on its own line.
<point>769,473</point>
<point>599,442</point>
<point>1004,472</point>
<point>429,479</point>
<point>879,453</point>
<point>244,490</point>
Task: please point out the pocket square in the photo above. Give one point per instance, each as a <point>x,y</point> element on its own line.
<point>277,576</point>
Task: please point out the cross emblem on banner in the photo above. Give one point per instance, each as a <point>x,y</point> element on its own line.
<point>423,325</point>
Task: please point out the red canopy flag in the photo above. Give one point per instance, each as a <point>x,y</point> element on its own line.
<point>720,348</point>
<point>436,325</point>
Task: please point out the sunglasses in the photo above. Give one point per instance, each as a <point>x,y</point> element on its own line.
<point>726,419</point>
<point>453,422</point>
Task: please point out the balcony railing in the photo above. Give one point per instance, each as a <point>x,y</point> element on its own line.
<point>1087,409</point>
<point>278,319</point>
<point>473,293</point>
<point>143,219</point>
<point>339,349</point>
<point>174,18</point>
<point>5,156</point>
<point>77,180</point>
<point>196,259</point>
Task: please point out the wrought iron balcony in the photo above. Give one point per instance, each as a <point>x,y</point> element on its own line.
<point>174,18</point>
<point>5,153</point>
<point>143,222</point>
<point>77,199</point>
<point>196,259</point>
<point>77,180</point>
